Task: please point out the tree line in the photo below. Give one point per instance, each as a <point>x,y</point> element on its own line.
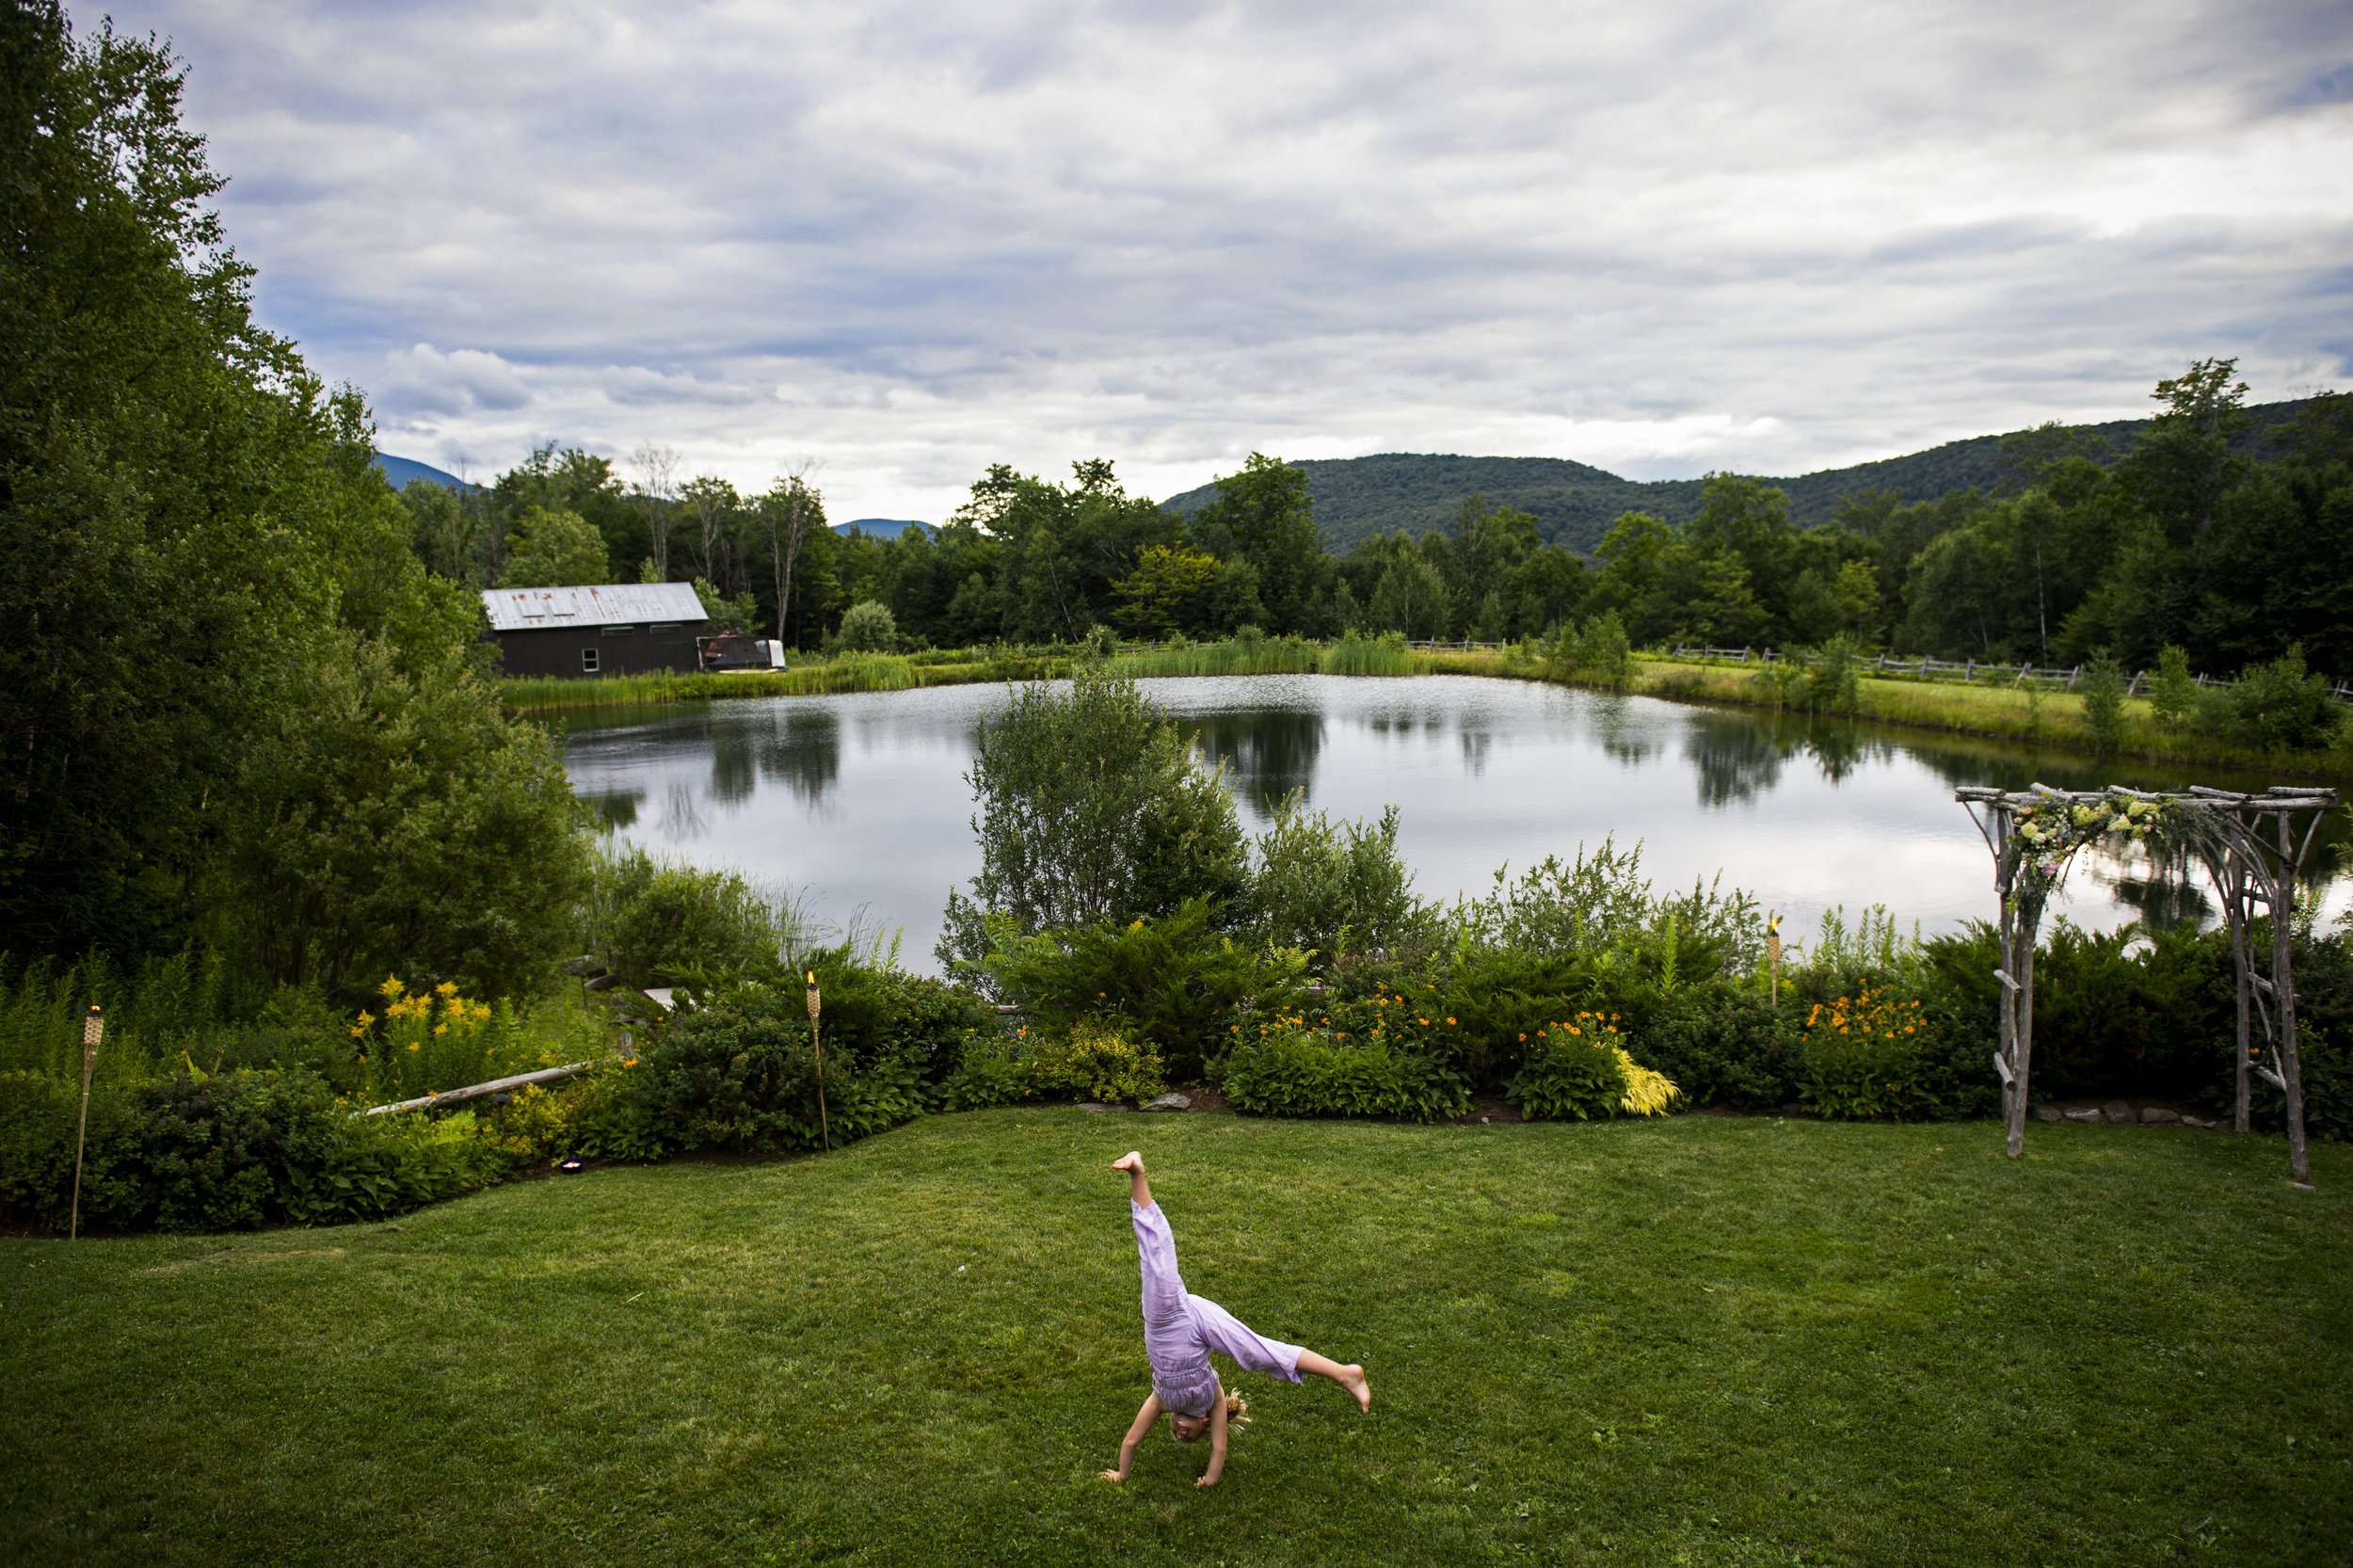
<point>2080,552</point>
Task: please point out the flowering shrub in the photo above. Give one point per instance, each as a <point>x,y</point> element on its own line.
<point>1095,1061</point>
<point>1579,1067</point>
<point>429,1042</point>
<point>1864,1057</point>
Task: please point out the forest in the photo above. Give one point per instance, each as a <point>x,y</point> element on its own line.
<point>2224,531</point>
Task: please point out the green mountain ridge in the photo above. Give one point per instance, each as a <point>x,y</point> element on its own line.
<point>1574,504</point>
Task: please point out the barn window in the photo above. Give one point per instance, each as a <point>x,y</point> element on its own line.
<point>588,658</point>
<point>620,632</point>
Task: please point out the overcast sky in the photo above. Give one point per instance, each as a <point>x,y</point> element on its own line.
<point>905,241</point>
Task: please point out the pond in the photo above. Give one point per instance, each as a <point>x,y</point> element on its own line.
<point>856,806</point>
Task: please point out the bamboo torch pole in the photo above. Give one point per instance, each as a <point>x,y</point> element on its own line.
<point>822,1127</point>
<point>1773,956</point>
<point>93,1027</point>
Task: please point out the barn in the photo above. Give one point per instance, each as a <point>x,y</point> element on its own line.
<point>584,633</point>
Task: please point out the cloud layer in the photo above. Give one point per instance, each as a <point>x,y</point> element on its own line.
<point>911,241</point>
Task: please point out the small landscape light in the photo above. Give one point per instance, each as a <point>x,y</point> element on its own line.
<point>569,1165</point>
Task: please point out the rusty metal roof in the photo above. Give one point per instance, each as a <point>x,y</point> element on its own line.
<point>608,604</point>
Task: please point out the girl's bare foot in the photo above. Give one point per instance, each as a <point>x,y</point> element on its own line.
<point>1131,1162</point>
<point>1352,1379</point>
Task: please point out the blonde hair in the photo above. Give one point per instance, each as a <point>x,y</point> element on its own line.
<point>1236,1415</point>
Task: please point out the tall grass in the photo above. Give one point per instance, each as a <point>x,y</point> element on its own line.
<point>1236,656</point>
<point>1378,655</point>
<point>851,672</point>
<point>152,1012</point>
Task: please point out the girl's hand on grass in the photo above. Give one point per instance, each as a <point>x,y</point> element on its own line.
<point>1115,1475</point>
<point>1205,1480</point>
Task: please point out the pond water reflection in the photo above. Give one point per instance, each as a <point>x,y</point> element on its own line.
<point>859,804</point>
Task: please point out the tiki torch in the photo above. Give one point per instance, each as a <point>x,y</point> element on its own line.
<point>815,1051</point>
<point>93,1027</point>
<point>1773,956</point>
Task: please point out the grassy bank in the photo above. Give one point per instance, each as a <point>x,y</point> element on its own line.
<point>1700,1340</point>
<point>1998,713</point>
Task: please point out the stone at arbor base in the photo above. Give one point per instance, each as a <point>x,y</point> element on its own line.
<point>2046,1112</point>
<point>2158,1113</point>
<point>2086,1114</point>
<point>2117,1111</point>
<point>1170,1101</point>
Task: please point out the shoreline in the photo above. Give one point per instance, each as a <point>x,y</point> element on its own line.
<point>2005,713</point>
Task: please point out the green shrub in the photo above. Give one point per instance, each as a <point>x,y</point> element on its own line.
<point>655,923</point>
<point>738,1073</point>
<point>1596,653</point>
<point>876,1015</point>
<point>1725,1044</point>
<point>2173,693</point>
<point>2102,692</point>
<point>220,1153</point>
<point>38,1114</point>
<point>867,627</point>
<point>378,1166</point>
<point>1570,1071</point>
<point>1834,676</point>
<point>1178,984</point>
<point>1094,805</point>
<point>2124,1012</point>
<point>1328,888</point>
<point>1094,1060</point>
<point>735,1073</point>
<point>990,1071</point>
<point>1300,1073</point>
<point>609,1115</point>
<point>2280,706</point>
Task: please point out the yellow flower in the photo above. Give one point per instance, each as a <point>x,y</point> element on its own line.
<point>447,988</point>
<point>357,1030</point>
<point>438,1028</point>
<point>412,1045</point>
<point>366,1017</point>
<point>391,988</point>
<point>1450,1018</point>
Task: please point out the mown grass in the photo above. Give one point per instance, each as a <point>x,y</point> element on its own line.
<point>1698,1340</point>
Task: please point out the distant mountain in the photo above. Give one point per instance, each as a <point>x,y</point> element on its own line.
<point>1575,504</point>
<point>400,472</point>
<point>882,528</point>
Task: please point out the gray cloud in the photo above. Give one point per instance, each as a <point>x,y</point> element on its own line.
<point>912,240</point>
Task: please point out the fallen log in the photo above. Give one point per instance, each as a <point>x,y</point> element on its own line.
<point>481,1091</point>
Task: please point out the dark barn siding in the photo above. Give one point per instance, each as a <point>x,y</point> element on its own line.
<point>620,651</point>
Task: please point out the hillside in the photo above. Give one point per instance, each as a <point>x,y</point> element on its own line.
<point>401,472</point>
<point>1574,504</point>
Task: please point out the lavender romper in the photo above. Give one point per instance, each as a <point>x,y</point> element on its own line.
<point>1181,1329</point>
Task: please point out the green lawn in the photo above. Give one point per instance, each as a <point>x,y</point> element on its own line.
<point>1696,1340</point>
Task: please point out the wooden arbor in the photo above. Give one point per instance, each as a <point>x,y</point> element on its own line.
<point>2252,845</point>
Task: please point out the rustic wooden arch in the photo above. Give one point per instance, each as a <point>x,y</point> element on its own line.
<point>2253,847</point>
